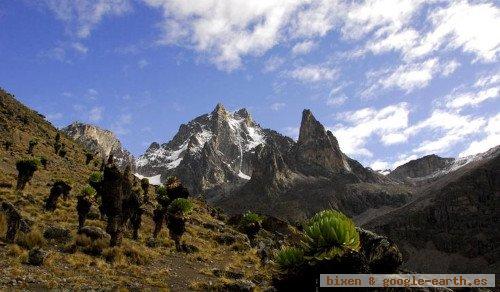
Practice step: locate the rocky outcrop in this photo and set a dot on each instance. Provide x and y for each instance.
(212, 154)
(100, 141)
(421, 167)
(318, 148)
(454, 220)
(298, 180)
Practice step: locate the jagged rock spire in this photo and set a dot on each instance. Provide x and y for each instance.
(317, 146)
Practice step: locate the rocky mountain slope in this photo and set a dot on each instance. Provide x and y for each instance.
(421, 167)
(213, 153)
(240, 166)
(223, 258)
(311, 175)
(100, 141)
(452, 224)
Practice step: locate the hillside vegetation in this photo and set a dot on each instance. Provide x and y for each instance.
(221, 256)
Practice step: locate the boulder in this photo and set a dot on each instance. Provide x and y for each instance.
(382, 254)
(57, 233)
(94, 232)
(36, 256)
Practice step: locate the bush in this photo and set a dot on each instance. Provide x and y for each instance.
(43, 161)
(57, 143)
(89, 156)
(180, 205)
(162, 196)
(30, 240)
(7, 145)
(330, 231)
(63, 151)
(289, 258)
(96, 177)
(31, 145)
(25, 168)
(88, 191)
(251, 218)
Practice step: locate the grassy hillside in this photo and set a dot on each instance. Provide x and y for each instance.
(223, 258)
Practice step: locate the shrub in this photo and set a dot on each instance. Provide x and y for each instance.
(57, 143)
(289, 258)
(88, 191)
(96, 177)
(7, 145)
(251, 218)
(31, 145)
(25, 168)
(43, 161)
(162, 196)
(63, 151)
(89, 156)
(180, 205)
(30, 240)
(329, 231)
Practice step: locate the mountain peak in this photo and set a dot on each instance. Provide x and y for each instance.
(318, 146)
(219, 108)
(99, 140)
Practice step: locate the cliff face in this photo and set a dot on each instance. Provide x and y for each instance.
(318, 148)
(309, 176)
(453, 221)
(100, 141)
(421, 167)
(212, 154)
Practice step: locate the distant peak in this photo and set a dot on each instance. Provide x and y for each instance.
(244, 114)
(219, 108)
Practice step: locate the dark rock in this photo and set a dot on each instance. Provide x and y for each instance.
(226, 239)
(36, 256)
(239, 285)
(382, 254)
(421, 167)
(57, 233)
(94, 232)
(152, 242)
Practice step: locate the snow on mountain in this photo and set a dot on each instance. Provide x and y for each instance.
(212, 147)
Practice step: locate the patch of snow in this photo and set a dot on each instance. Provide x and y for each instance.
(154, 180)
(175, 157)
(383, 171)
(243, 176)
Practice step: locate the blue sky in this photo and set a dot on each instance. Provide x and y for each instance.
(393, 80)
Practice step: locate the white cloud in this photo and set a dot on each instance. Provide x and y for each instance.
(292, 132)
(485, 88)
(303, 47)
(79, 47)
(336, 101)
(120, 125)
(313, 73)
(277, 106)
(491, 139)
(54, 116)
(450, 67)
(409, 76)
(81, 16)
(226, 30)
(449, 129)
(91, 93)
(364, 123)
(380, 165)
(95, 114)
(272, 64)
(464, 25)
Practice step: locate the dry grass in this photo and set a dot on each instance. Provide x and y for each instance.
(3, 224)
(32, 239)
